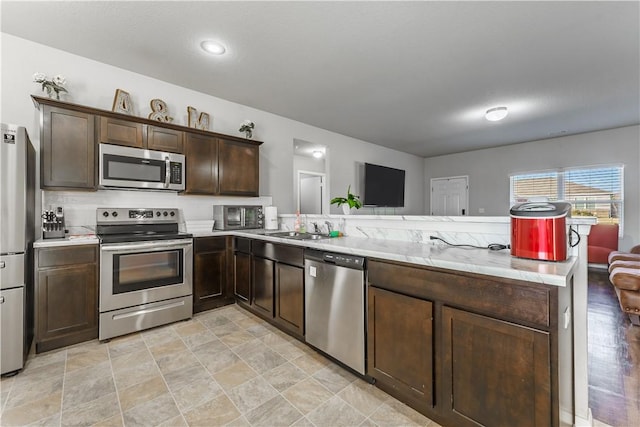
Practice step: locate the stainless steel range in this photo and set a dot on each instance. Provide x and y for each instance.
(145, 270)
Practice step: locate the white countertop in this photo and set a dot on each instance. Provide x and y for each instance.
(75, 236)
(67, 241)
(480, 261)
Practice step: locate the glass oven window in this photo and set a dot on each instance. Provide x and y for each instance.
(133, 169)
(146, 270)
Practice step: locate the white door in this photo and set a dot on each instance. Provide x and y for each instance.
(450, 196)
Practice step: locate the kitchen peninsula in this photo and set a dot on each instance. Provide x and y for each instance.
(458, 334)
(445, 307)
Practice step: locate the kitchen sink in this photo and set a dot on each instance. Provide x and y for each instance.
(299, 236)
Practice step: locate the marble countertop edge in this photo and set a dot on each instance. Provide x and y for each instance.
(479, 261)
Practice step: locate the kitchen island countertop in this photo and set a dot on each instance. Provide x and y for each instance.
(480, 261)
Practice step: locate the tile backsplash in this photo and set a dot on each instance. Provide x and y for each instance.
(80, 207)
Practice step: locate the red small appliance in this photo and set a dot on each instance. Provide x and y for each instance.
(538, 230)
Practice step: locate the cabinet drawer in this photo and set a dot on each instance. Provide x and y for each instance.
(210, 244)
(242, 245)
(54, 257)
(504, 298)
(283, 253)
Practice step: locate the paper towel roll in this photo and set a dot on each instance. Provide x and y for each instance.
(271, 218)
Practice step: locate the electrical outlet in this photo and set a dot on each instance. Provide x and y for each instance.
(480, 210)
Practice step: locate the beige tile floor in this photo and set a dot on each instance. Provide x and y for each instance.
(223, 367)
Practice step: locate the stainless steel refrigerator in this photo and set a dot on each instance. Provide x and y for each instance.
(17, 223)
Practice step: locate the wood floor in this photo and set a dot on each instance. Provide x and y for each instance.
(614, 357)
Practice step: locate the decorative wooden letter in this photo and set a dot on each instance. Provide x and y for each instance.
(159, 111)
(196, 122)
(122, 102)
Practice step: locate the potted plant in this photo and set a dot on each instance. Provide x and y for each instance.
(351, 201)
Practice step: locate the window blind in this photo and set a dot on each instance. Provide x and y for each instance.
(594, 191)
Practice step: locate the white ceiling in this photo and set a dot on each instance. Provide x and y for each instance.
(414, 76)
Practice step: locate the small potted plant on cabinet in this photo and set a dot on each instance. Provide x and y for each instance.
(351, 201)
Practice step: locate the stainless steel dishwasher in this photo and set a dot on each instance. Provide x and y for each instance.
(334, 306)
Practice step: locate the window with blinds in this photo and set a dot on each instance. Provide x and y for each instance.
(595, 191)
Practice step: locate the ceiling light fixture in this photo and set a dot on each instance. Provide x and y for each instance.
(317, 154)
(212, 47)
(496, 113)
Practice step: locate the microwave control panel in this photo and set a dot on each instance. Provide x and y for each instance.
(175, 170)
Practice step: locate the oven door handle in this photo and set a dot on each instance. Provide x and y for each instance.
(136, 246)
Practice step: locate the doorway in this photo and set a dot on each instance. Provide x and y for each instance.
(450, 196)
(310, 177)
(311, 192)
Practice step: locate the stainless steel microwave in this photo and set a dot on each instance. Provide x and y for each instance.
(127, 167)
(228, 217)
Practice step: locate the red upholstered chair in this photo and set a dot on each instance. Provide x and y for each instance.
(603, 239)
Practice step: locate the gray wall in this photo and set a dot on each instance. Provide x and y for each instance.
(489, 169)
(93, 84)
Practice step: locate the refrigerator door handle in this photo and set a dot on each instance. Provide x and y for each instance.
(1, 264)
(1, 300)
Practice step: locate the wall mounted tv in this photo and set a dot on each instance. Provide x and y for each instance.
(383, 186)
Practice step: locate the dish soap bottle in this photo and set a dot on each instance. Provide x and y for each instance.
(303, 224)
(296, 225)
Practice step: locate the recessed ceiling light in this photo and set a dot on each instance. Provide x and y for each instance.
(317, 154)
(496, 113)
(212, 47)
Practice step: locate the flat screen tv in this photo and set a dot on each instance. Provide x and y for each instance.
(383, 186)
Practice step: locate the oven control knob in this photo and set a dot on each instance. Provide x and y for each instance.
(105, 214)
(172, 213)
(114, 213)
(165, 213)
(158, 213)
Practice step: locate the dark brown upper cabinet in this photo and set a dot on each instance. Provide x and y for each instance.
(121, 132)
(217, 164)
(238, 168)
(162, 139)
(139, 135)
(67, 149)
(201, 155)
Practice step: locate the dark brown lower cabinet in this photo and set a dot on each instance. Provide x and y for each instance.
(242, 270)
(66, 296)
(496, 372)
(400, 345)
(289, 298)
(277, 283)
(212, 273)
(263, 286)
(468, 349)
(242, 276)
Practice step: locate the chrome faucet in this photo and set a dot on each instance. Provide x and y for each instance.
(316, 229)
(329, 226)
